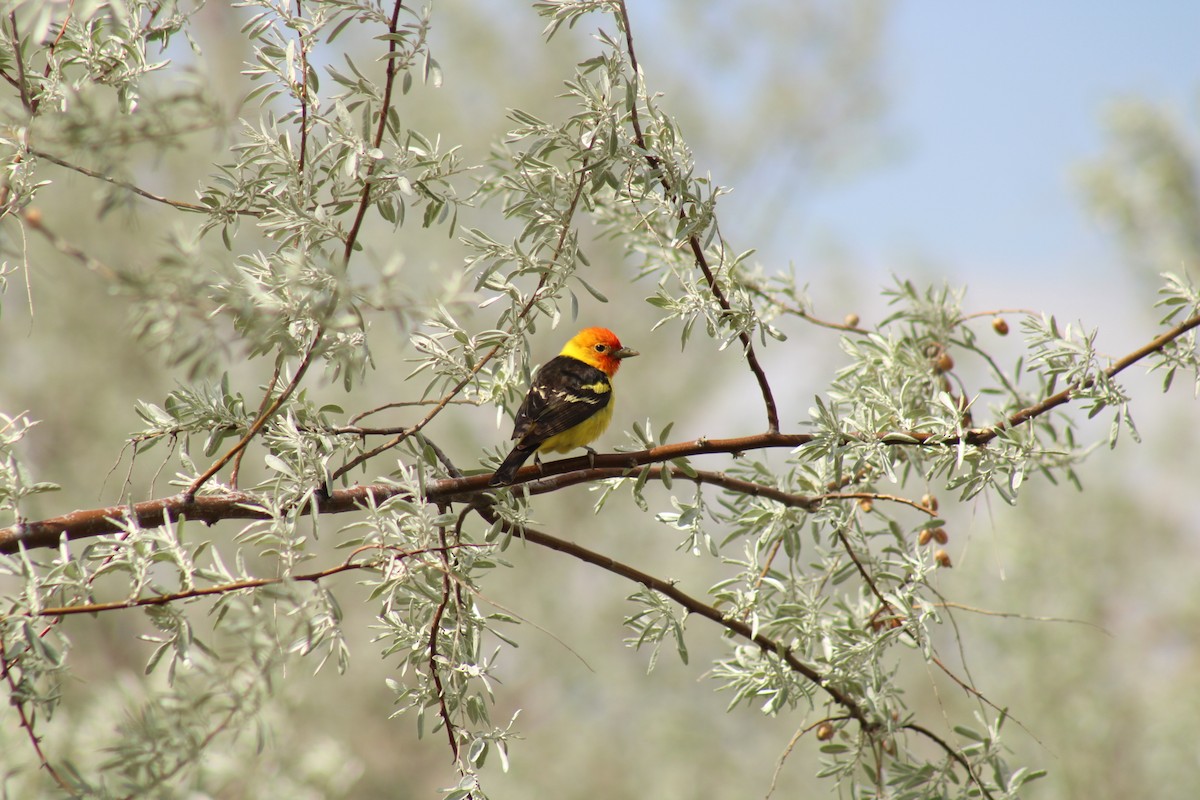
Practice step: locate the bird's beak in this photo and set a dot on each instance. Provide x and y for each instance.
(624, 352)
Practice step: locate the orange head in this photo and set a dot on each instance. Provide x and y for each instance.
(599, 347)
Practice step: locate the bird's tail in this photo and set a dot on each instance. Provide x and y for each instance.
(512, 462)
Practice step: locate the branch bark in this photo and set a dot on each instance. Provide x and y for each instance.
(694, 243)
(241, 505)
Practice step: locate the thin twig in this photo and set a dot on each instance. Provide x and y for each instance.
(951, 752)
(804, 315)
(262, 417)
(353, 427)
(303, 91)
(787, 751)
(694, 242)
(14, 694)
(364, 200)
(33, 218)
(21, 82)
(689, 603)
(179, 204)
(237, 586)
(888, 498)
(1014, 615)
(262, 407)
(435, 627)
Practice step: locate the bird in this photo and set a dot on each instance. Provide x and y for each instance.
(570, 402)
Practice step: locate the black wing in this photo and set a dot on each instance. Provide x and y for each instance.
(565, 392)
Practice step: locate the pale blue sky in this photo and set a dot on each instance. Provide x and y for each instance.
(995, 105)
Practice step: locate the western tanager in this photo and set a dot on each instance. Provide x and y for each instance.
(570, 402)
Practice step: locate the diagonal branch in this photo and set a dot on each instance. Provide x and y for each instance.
(240, 585)
(1055, 400)
(21, 83)
(242, 505)
(179, 204)
(384, 111)
(694, 243)
(691, 605)
(263, 417)
(7, 666)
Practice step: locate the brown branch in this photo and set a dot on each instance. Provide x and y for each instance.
(787, 751)
(238, 505)
(206, 591)
(888, 498)
(691, 605)
(62, 30)
(21, 82)
(33, 218)
(13, 82)
(435, 627)
(1055, 400)
(263, 417)
(262, 408)
(797, 311)
(303, 92)
(862, 570)
(183, 762)
(1015, 615)
(231, 505)
(380, 128)
(14, 694)
(237, 586)
(951, 752)
(179, 204)
(561, 481)
(210, 509)
(694, 243)
(353, 427)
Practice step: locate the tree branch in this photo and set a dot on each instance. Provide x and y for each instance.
(179, 204)
(239, 585)
(263, 416)
(242, 505)
(1055, 400)
(951, 752)
(694, 243)
(691, 605)
(384, 110)
(435, 627)
(21, 84)
(304, 90)
(7, 665)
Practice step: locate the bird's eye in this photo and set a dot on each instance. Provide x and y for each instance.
(600, 348)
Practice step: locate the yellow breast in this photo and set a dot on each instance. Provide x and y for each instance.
(582, 434)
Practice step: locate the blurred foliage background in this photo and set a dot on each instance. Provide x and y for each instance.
(788, 102)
